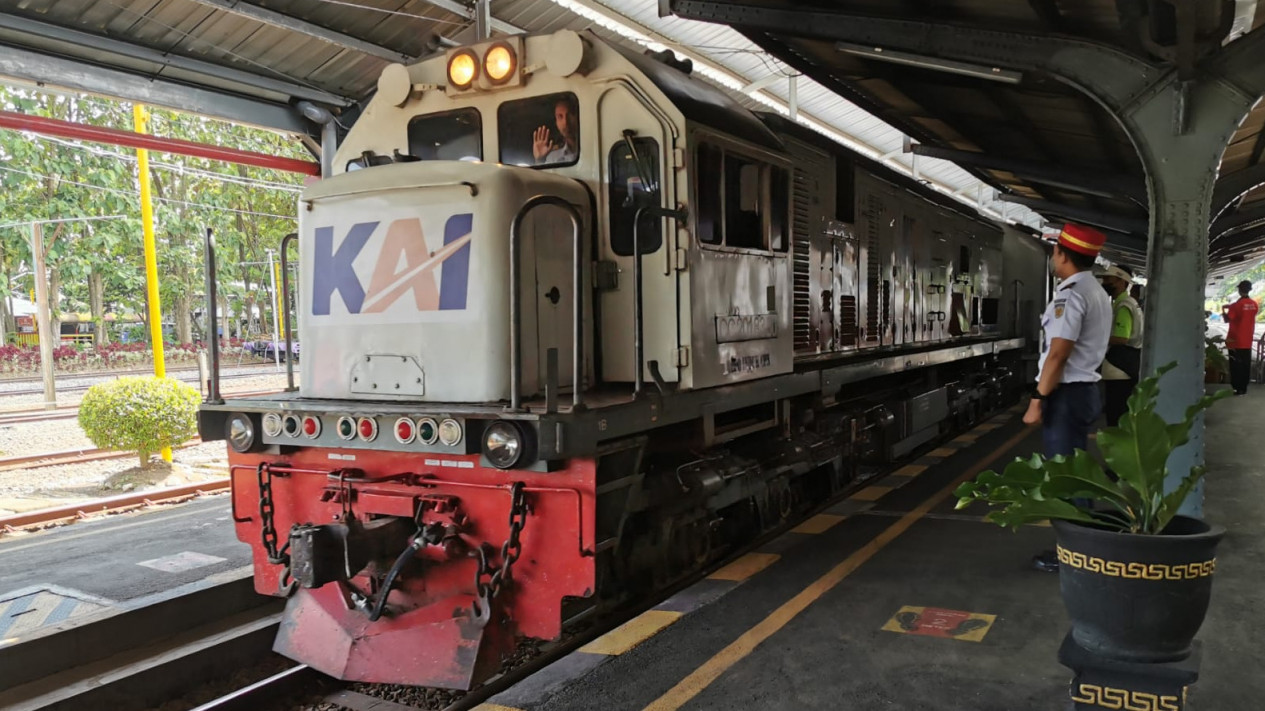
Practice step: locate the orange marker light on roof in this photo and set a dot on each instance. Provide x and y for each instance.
(462, 69)
(500, 63)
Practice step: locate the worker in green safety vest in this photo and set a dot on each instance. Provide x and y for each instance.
(1123, 363)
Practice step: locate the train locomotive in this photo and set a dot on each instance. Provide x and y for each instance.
(575, 325)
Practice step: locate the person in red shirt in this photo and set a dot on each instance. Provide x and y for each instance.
(1241, 315)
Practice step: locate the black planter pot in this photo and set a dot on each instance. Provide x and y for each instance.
(1133, 597)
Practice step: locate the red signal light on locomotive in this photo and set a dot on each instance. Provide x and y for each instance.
(368, 429)
(312, 427)
(405, 431)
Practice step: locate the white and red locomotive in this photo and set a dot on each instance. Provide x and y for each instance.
(574, 323)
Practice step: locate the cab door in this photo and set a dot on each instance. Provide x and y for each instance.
(635, 172)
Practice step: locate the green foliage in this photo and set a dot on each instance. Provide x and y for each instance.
(1137, 451)
(141, 414)
(1215, 358)
(43, 178)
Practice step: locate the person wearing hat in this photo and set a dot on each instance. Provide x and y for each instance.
(1123, 364)
(1241, 316)
(1075, 329)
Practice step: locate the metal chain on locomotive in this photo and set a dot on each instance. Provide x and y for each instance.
(510, 552)
(268, 531)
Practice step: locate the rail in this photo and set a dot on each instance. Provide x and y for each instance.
(285, 309)
(516, 301)
(213, 332)
(638, 344)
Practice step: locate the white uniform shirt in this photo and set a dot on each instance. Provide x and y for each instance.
(1079, 312)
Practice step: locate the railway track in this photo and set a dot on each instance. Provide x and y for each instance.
(67, 412)
(110, 505)
(86, 386)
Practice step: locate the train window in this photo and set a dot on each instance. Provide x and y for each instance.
(451, 135)
(708, 167)
(779, 206)
(630, 167)
(964, 260)
(744, 226)
(540, 132)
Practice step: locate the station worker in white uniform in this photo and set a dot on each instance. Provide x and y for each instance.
(1076, 329)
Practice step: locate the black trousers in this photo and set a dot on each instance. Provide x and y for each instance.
(1116, 399)
(1240, 368)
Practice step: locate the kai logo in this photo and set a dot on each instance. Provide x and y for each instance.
(404, 264)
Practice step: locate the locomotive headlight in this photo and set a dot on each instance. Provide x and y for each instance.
(503, 444)
(450, 432)
(499, 63)
(462, 69)
(240, 432)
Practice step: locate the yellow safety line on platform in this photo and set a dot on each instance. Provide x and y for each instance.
(494, 707)
(871, 493)
(701, 678)
(943, 452)
(817, 524)
(967, 438)
(745, 567)
(631, 633)
(910, 470)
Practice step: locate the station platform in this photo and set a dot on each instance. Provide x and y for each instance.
(114, 563)
(894, 600)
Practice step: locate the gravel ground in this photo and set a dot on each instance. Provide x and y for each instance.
(108, 477)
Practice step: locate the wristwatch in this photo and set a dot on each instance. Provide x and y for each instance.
(1036, 394)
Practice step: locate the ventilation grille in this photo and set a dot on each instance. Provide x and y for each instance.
(801, 282)
(847, 321)
(874, 215)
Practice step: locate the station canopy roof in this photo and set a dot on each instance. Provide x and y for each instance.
(1049, 151)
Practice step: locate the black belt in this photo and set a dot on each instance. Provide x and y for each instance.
(1078, 383)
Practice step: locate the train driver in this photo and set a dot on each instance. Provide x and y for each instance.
(1076, 329)
(567, 121)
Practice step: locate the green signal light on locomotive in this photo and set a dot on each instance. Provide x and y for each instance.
(346, 429)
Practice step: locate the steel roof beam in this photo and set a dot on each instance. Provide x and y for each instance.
(1237, 221)
(1079, 181)
(294, 24)
(1120, 223)
(282, 87)
(45, 69)
(463, 10)
(1232, 186)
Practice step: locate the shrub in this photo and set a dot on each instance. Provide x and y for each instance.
(141, 414)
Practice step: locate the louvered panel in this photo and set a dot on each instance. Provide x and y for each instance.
(875, 213)
(847, 321)
(801, 261)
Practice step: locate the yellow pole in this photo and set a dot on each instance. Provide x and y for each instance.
(140, 118)
(276, 298)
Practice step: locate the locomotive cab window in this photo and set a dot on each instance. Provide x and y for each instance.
(634, 171)
(741, 202)
(540, 132)
(707, 168)
(744, 224)
(452, 135)
(779, 209)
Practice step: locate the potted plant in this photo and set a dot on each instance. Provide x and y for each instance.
(1216, 365)
(1134, 575)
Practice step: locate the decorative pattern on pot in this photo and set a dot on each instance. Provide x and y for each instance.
(1136, 571)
